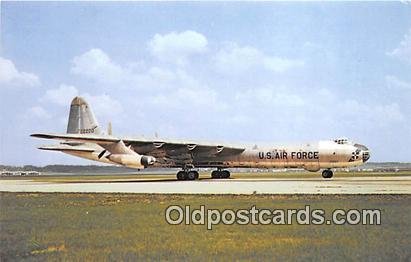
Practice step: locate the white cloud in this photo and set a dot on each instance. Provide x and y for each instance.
(235, 59)
(324, 94)
(104, 105)
(390, 112)
(351, 110)
(197, 96)
(280, 65)
(279, 105)
(38, 112)
(161, 74)
(189, 98)
(186, 91)
(10, 76)
(154, 86)
(61, 96)
(177, 96)
(97, 65)
(177, 47)
(403, 51)
(269, 96)
(394, 83)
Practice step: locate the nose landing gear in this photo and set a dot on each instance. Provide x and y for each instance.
(327, 173)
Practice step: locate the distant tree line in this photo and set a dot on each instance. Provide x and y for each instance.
(69, 168)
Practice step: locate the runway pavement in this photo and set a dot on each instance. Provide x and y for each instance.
(342, 185)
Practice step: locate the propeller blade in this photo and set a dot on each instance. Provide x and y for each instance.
(102, 154)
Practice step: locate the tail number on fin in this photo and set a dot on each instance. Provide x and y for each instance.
(87, 130)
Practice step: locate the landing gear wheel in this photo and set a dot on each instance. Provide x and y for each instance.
(189, 175)
(220, 174)
(215, 174)
(327, 174)
(181, 175)
(225, 174)
(192, 175)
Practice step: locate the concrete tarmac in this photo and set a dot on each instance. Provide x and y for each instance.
(337, 185)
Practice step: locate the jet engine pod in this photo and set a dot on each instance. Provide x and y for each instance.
(128, 160)
(132, 160)
(147, 160)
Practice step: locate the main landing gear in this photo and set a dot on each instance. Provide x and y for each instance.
(187, 175)
(220, 174)
(327, 173)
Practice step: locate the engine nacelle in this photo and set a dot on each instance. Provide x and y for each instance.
(147, 160)
(132, 160)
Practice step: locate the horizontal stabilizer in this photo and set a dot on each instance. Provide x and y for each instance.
(79, 138)
(66, 148)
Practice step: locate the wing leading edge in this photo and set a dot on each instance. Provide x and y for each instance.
(157, 148)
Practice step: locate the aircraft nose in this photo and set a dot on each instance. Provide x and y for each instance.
(365, 155)
(365, 152)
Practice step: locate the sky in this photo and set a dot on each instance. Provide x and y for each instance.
(237, 72)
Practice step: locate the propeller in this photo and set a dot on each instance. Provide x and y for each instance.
(102, 154)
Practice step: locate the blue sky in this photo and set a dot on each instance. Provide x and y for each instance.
(236, 72)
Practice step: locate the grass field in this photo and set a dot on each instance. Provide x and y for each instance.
(99, 227)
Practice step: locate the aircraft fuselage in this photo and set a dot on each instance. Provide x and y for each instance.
(310, 156)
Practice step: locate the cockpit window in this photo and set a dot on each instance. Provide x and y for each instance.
(341, 141)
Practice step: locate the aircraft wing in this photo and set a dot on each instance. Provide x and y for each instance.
(82, 138)
(173, 149)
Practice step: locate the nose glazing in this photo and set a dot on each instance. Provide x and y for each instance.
(365, 152)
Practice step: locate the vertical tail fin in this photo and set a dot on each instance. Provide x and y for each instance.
(81, 118)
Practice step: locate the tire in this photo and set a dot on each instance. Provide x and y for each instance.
(192, 175)
(225, 174)
(181, 175)
(327, 174)
(215, 174)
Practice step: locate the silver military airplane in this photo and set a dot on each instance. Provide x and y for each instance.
(85, 139)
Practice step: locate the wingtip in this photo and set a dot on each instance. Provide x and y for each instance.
(39, 135)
